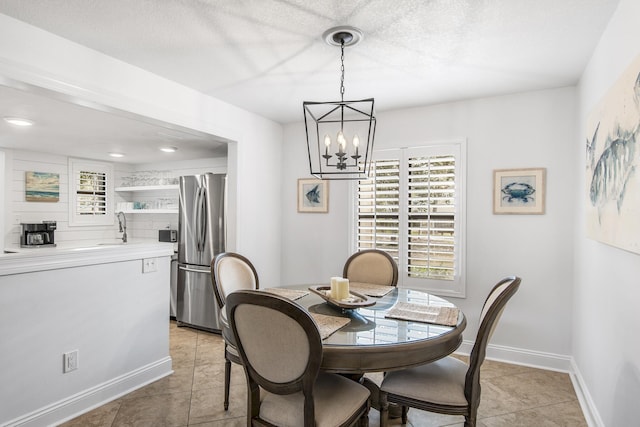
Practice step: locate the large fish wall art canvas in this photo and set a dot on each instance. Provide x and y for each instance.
(613, 175)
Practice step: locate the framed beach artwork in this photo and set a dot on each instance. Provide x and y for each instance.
(612, 194)
(519, 191)
(42, 187)
(313, 195)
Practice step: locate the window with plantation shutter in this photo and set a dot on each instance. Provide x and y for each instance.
(412, 207)
(90, 193)
(378, 208)
(91, 196)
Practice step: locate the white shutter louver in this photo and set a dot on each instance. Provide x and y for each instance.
(431, 217)
(90, 193)
(91, 198)
(378, 208)
(412, 207)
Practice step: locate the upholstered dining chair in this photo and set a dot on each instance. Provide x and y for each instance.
(230, 272)
(448, 386)
(371, 266)
(281, 351)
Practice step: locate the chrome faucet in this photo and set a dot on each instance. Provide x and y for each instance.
(122, 225)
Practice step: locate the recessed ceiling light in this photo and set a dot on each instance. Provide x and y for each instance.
(116, 154)
(18, 121)
(169, 149)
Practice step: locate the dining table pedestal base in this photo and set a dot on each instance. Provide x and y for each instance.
(395, 410)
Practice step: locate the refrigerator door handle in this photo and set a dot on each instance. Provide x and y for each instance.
(198, 225)
(203, 219)
(193, 270)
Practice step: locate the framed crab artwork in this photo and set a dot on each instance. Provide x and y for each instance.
(519, 191)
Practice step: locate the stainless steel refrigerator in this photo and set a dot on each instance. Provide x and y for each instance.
(201, 236)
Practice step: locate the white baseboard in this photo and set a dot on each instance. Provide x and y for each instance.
(518, 356)
(589, 409)
(549, 361)
(94, 397)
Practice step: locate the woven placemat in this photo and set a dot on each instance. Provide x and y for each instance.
(370, 290)
(447, 316)
(327, 325)
(292, 294)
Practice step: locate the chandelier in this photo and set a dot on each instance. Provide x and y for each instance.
(340, 134)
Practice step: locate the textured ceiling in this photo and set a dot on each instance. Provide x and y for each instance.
(268, 56)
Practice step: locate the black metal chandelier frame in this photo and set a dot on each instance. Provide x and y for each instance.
(320, 114)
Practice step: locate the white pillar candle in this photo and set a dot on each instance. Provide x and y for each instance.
(343, 289)
(334, 287)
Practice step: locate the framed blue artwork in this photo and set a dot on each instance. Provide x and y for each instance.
(519, 191)
(313, 196)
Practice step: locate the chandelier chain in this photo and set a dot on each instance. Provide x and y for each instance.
(342, 70)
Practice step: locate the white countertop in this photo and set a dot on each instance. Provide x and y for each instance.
(16, 260)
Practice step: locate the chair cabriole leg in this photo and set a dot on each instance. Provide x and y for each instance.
(227, 380)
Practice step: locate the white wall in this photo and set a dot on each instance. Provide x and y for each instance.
(18, 210)
(606, 347)
(111, 312)
(534, 129)
(33, 56)
(2, 198)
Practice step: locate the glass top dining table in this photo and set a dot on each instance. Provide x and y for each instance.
(371, 342)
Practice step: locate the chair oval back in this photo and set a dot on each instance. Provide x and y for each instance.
(489, 317)
(232, 272)
(371, 266)
(277, 339)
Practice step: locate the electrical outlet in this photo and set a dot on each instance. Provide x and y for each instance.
(70, 361)
(149, 265)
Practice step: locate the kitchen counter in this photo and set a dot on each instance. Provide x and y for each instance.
(106, 301)
(16, 260)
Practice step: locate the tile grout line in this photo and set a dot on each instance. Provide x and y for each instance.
(193, 376)
(527, 409)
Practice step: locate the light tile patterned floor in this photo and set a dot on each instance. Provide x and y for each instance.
(512, 396)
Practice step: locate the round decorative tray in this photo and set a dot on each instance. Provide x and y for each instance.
(355, 300)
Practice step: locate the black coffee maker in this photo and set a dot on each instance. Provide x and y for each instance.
(37, 235)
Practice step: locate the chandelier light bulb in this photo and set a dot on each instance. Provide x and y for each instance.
(342, 143)
(356, 143)
(327, 144)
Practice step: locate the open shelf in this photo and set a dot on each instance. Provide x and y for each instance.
(148, 188)
(151, 211)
